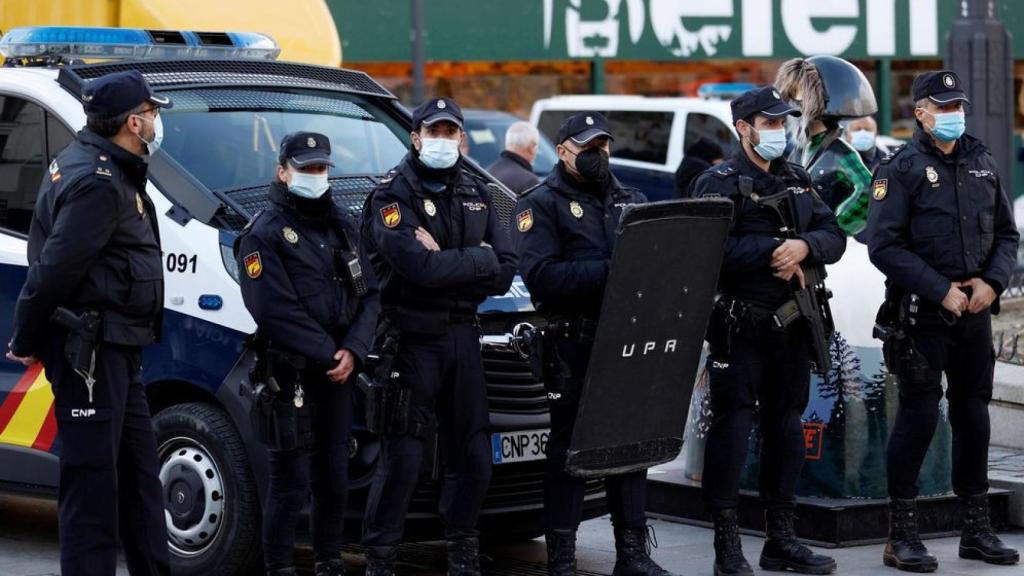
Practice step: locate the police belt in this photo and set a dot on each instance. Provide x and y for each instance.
(740, 314)
(574, 328)
(421, 321)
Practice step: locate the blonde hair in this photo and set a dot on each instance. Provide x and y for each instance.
(798, 79)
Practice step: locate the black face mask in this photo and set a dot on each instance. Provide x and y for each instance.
(592, 164)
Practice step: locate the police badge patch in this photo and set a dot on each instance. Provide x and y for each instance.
(931, 174)
(576, 209)
(524, 221)
(139, 205)
(391, 215)
(880, 189)
(253, 265)
(428, 207)
(290, 235)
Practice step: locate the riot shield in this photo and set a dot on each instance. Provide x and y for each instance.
(657, 302)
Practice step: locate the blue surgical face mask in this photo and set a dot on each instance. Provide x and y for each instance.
(310, 186)
(949, 126)
(862, 140)
(439, 153)
(772, 145)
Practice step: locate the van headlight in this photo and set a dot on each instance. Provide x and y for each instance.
(227, 255)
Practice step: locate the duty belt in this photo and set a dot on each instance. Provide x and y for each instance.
(741, 313)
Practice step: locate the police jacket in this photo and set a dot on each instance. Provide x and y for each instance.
(293, 268)
(936, 218)
(755, 230)
(93, 244)
(564, 233)
(514, 171)
(424, 290)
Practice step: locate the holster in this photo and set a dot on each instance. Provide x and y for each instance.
(898, 352)
(277, 422)
(83, 337)
(546, 362)
(388, 404)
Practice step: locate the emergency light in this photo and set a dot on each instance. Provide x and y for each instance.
(70, 42)
(723, 90)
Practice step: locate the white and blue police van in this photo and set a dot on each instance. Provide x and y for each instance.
(233, 103)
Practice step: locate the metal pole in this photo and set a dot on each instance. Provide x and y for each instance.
(418, 52)
(884, 96)
(597, 76)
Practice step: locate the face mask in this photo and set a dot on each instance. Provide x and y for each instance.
(310, 186)
(439, 153)
(773, 144)
(948, 126)
(158, 134)
(862, 140)
(592, 164)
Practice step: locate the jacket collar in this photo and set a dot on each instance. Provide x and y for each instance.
(314, 209)
(422, 179)
(135, 166)
(965, 145)
(517, 159)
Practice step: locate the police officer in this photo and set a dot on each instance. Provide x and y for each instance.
(439, 251)
(941, 229)
(751, 361)
(565, 233)
(92, 300)
(309, 285)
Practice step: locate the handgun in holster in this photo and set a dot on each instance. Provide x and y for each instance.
(82, 342)
(388, 403)
(277, 422)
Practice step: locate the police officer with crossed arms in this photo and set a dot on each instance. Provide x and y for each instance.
(941, 229)
(92, 300)
(309, 286)
(439, 250)
(565, 230)
(752, 361)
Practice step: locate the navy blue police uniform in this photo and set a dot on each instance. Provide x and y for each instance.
(938, 219)
(565, 233)
(296, 282)
(429, 301)
(94, 248)
(750, 361)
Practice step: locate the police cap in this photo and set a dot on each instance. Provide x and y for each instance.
(436, 110)
(941, 87)
(301, 149)
(119, 92)
(584, 127)
(765, 101)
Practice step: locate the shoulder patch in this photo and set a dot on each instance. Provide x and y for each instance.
(253, 265)
(879, 189)
(723, 171)
(893, 153)
(388, 177)
(391, 215)
(524, 220)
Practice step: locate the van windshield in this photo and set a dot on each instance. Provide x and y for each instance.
(228, 138)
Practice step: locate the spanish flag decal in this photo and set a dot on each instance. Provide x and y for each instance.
(880, 189)
(391, 215)
(253, 265)
(524, 221)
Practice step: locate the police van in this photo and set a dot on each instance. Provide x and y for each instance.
(650, 133)
(233, 103)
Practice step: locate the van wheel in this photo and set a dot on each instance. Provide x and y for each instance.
(210, 498)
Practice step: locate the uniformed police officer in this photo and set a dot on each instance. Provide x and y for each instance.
(312, 292)
(92, 300)
(565, 233)
(752, 362)
(941, 229)
(439, 251)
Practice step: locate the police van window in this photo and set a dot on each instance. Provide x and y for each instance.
(58, 136)
(228, 139)
(22, 161)
(706, 126)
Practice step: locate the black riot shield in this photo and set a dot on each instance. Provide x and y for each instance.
(657, 302)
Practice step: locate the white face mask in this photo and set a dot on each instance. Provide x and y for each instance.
(158, 134)
(439, 153)
(310, 186)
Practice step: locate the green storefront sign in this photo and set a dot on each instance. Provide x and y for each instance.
(492, 30)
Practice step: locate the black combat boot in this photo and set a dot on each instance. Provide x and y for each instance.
(905, 550)
(464, 557)
(729, 560)
(782, 551)
(335, 567)
(561, 552)
(380, 560)
(977, 540)
(633, 553)
(282, 572)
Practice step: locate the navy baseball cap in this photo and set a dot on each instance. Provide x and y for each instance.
(941, 87)
(119, 92)
(765, 101)
(436, 110)
(584, 127)
(301, 149)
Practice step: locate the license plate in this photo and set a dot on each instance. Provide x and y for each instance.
(519, 446)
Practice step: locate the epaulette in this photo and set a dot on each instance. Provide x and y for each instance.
(104, 166)
(530, 189)
(723, 171)
(893, 153)
(249, 224)
(388, 177)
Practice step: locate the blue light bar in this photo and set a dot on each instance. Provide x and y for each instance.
(134, 43)
(724, 90)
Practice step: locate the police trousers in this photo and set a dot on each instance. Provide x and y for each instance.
(446, 375)
(110, 495)
(322, 467)
(563, 492)
(964, 353)
(770, 370)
